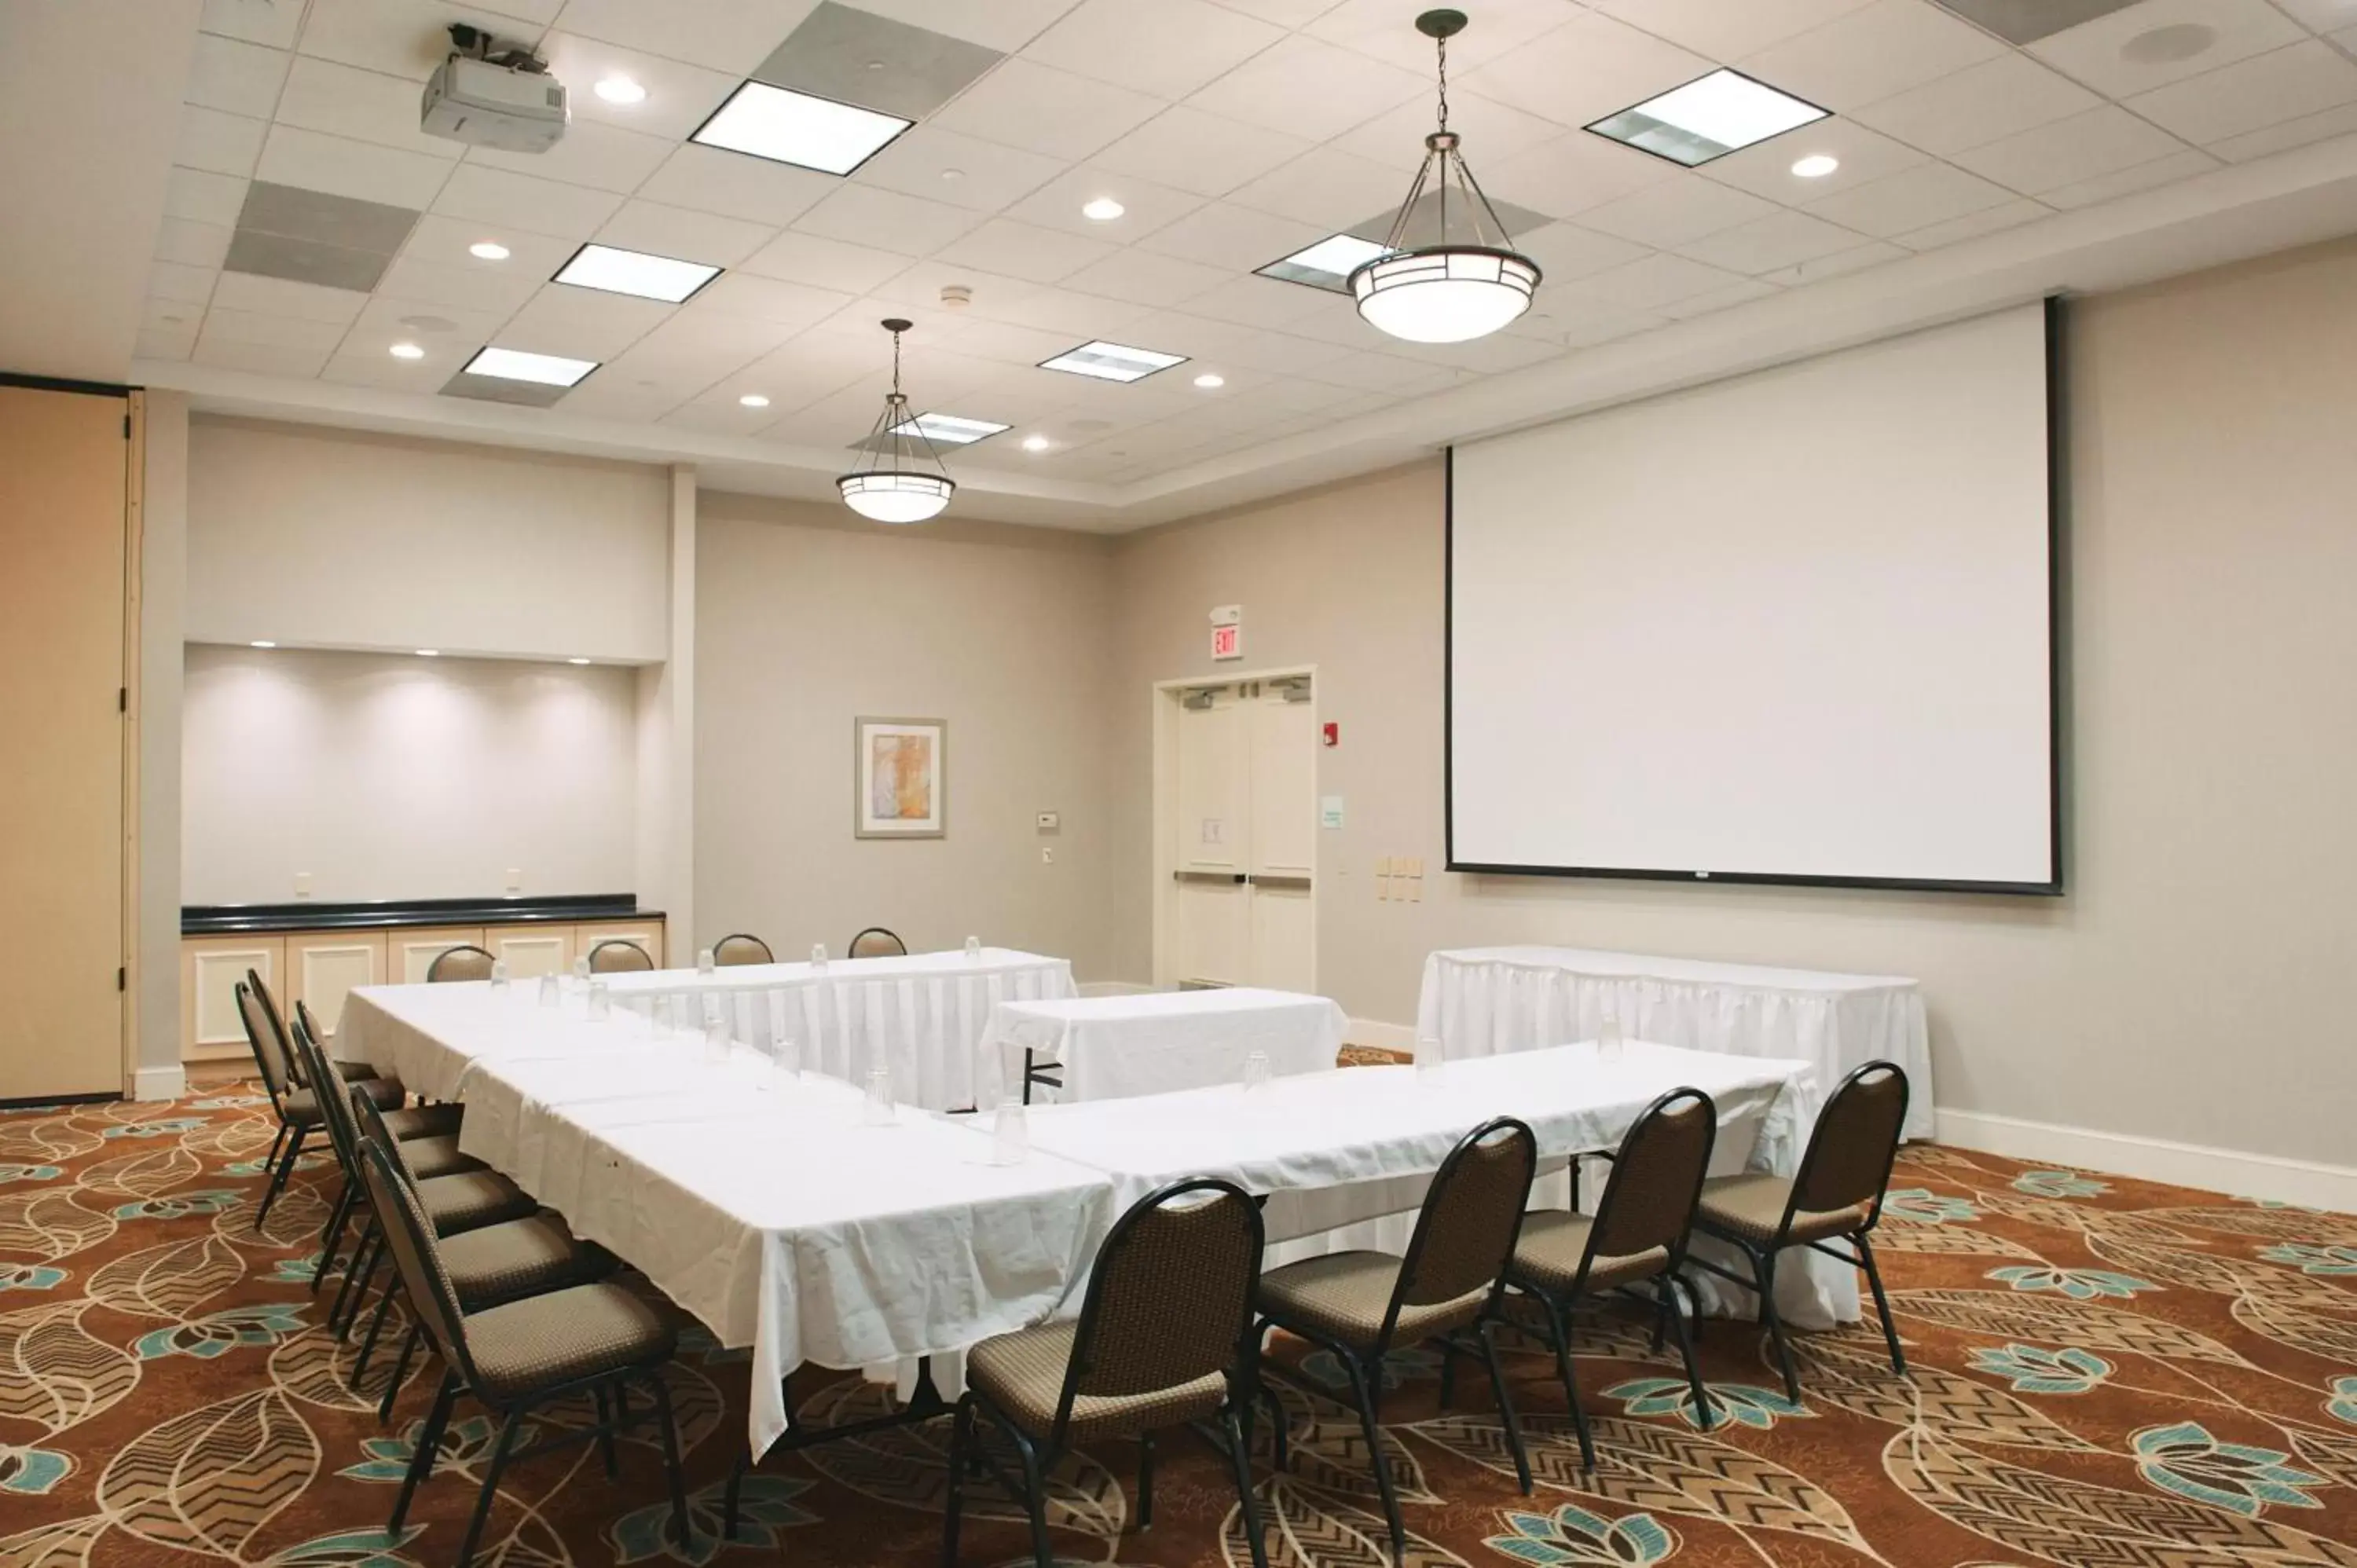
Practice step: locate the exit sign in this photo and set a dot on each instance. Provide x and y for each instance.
(1227, 642)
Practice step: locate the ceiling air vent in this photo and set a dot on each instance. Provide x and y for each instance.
(2026, 21)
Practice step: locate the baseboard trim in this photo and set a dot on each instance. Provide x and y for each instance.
(2268, 1176)
(160, 1082)
(1384, 1036)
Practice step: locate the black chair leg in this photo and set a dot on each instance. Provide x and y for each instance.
(368, 1340)
(671, 1458)
(953, 1502)
(343, 1198)
(1486, 1329)
(400, 1370)
(1240, 1453)
(1360, 1378)
(1035, 1497)
(278, 1174)
(1279, 1448)
(1763, 1269)
(1559, 1335)
(500, 1452)
(1145, 1480)
(363, 1275)
(1881, 1305)
(334, 1237)
(605, 1432)
(1668, 1285)
(278, 1139)
(421, 1463)
(351, 1273)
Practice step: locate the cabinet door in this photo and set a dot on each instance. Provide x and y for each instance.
(529, 951)
(647, 934)
(322, 966)
(211, 968)
(409, 951)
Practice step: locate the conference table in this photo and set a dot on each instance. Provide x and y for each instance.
(790, 1213)
(1109, 1047)
(1481, 1001)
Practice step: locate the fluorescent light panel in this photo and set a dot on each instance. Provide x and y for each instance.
(1709, 118)
(795, 128)
(515, 365)
(635, 273)
(948, 429)
(1327, 264)
(1112, 361)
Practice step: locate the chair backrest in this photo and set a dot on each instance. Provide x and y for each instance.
(262, 1033)
(1170, 1295)
(878, 942)
(619, 955)
(741, 947)
(334, 1109)
(1657, 1176)
(368, 1129)
(1472, 1215)
(466, 962)
(409, 1236)
(1852, 1147)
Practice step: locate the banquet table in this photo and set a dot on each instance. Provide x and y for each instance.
(1484, 1001)
(1155, 1042)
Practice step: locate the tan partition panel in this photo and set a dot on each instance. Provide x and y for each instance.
(530, 951)
(648, 934)
(211, 968)
(322, 966)
(409, 951)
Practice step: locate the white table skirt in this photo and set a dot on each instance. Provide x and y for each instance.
(1483, 1001)
(1157, 1042)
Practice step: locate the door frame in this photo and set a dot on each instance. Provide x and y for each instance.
(1166, 696)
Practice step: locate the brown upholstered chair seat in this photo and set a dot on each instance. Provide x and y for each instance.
(1023, 1373)
(545, 1341)
(1752, 1206)
(353, 1072)
(1345, 1294)
(303, 1106)
(430, 1157)
(522, 1257)
(471, 1199)
(422, 1122)
(1552, 1242)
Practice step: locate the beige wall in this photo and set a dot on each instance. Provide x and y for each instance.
(2192, 985)
(163, 587)
(807, 620)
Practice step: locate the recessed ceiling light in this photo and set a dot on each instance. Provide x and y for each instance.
(1103, 210)
(796, 128)
(947, 429)
(407, 352)
(429, 653)
(621, 89)
(754, 400)
(1326, 264)
(635, 273)
(1035, 444)
(1816, 165)
(261, 644)
(487, 250)
(515, 365)
(576, 660)
(1112, 361)
(1707, 118)
(1209, 380)
(951, 176)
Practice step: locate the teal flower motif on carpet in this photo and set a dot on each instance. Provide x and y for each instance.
(229, 1103)
(31, 1276)
(765, 1505)
(2034, 1371)
(2313, 1260)
(296, 1271)
(1400, 1367)
(218, 1333)
(1921, 1206)
(1573, 1535)
(463, 1444)
(2342, 1405)
(9, 1174)
(1742, 1403)
(179, 1206)
(30, 1472)
(168, 1126)
(350, 1549)
(2079, 1284)
(2060, 1184)
(2187, 1460)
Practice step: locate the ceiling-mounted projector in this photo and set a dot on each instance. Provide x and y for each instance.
(506, 101)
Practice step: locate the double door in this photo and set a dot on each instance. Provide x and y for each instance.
(1244, 845)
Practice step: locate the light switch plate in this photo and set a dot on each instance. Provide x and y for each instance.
(515, 879)
(302, 885)
(1051, 821)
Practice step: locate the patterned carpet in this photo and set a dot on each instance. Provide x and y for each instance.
(2108, 1372)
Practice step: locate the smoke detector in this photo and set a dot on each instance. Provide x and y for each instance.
(956, 296)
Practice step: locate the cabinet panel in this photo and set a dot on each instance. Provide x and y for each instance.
(648, 935)
(409, 951)
(322, 966)
(529, 951)
(211, 968)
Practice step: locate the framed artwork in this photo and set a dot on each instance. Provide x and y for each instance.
(900, 777)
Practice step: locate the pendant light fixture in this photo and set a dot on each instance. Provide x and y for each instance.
(1456, 287)
(905, 480)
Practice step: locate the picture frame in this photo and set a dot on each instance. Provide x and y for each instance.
(900, 777)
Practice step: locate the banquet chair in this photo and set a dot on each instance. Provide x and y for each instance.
(520, 1356)
(405, 1123)
(741, 947)
(1835, 1196)
(296, 1105)
(1362, 1304)
(619, 955)
(1164, 1338)
(1637, 1236)
(878, 942)
(466, 961)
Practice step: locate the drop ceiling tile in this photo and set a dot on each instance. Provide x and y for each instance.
(1251, 301)
(706, 342)
(270, 23)
(217, 142)
(1200, 338)
(853, 56)
(602, 156)
(2322, 16)
(1312, 90)
(1872, 254)
(989, 295)
(363, 105)
(826, 264)
(201, 198)
(1720, 299)
(1492, 131)
(735, 184)
(1780, 240)
(192, 244)
(2178, 166)
(1144, 278)
(481, 194)
(173, 344)
(941, 166)
(1080, 315)
(680, 232)
(1871, 53)
(1326, 187)
(886, 219)
(1189, 150)
(1973, 225)
(2251, 95)
(1591, 67)
(620, 403)
(1725, 32)
(342, 166)
(259, 251)
(369, 365)
(1022, 103)
(1024, 250)
(260, 359)
(1001, 25)
(2106, 53)
(1145, 205)
(171, 280)
(234, 77)
(1766, 169)
(1978, 104)
(1670, 214)
(468, 285)
(733, 36)
(718, 414)
(1565, 250)
(448, 333)
(1912, 198)
(407, 39)
(1649, 284)
(1165, 48)
(1385, 30)
(680, 97)
(2100, 141)
(159, 315)
(1493, 355)
(1575, 172)
(793, 304)
(1610, 328)
(2291, 134)
(294, 301)
(581, 323)
(445, 242)
(1225, 235)
(1009, 344)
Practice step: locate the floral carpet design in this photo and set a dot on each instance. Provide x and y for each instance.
(2105, 1372)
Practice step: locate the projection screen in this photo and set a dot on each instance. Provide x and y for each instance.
(1796, 626)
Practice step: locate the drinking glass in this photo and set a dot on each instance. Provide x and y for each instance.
(550, 993)
(818, 958)
(601, 999)
(1428, 1053)
(499, 974)
(1258, 1073)
(1010, 1134)
(974, 947)
(1608, 1038)
(703, 964)
(581, 971)
(879, 1112)
(715, 1040)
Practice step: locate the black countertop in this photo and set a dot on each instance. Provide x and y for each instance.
(224, 919)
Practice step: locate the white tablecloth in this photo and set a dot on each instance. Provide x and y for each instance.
(1155, 1042)
(1482, 1001)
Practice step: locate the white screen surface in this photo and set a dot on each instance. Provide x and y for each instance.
(1791, 627)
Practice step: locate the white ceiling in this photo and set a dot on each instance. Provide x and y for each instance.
(1235, 132)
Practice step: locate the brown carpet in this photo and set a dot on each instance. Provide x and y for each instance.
(2107, 1372)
